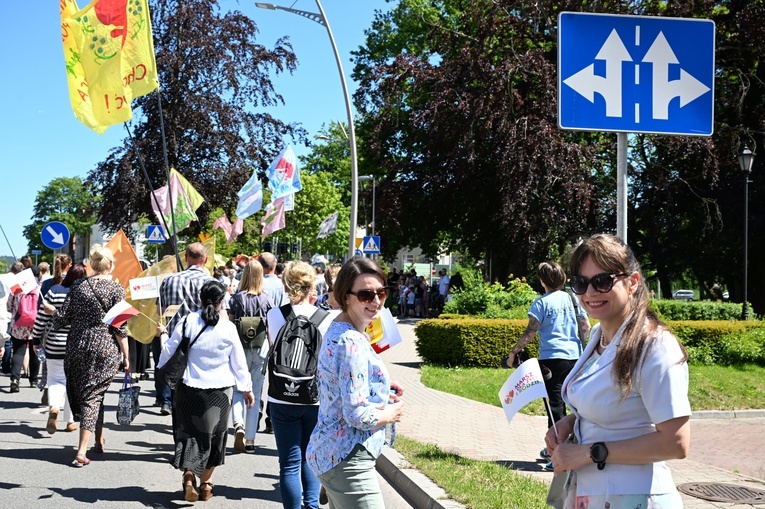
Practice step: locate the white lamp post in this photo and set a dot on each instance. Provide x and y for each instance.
(367, 178)
(321, 19)
(745, 161)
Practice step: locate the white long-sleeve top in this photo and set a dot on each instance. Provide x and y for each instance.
(216, 360)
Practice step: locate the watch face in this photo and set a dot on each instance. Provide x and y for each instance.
(598, 452)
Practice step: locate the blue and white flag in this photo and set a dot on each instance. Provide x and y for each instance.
(283, 175)
(250, 198)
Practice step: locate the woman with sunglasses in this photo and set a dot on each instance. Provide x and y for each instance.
(292, 422)
(357, 398)
(563, 328)
(628, 392)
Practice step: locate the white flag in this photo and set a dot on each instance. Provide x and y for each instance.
(328, 226)
(524, 386)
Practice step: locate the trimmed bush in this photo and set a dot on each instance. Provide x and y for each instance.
(716, 342)
(470, 341)
(673, 310)
(464, 341)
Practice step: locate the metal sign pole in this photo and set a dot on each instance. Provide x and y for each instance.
(621, 186)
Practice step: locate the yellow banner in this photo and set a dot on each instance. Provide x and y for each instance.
(109, 55)
(141, 328)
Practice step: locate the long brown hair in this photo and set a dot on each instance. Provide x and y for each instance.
(62, 262)
(643, 327)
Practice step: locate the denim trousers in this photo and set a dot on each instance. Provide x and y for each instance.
(293, 425)
(240, 414)
(164, 394)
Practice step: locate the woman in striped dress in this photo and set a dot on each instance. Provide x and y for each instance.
(55, 348)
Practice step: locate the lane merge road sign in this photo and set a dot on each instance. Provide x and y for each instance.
(636, 74)
(55, 235)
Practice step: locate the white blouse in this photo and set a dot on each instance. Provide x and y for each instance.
(216, 360)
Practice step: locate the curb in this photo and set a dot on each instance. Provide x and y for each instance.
(728, 414)
(419, 490)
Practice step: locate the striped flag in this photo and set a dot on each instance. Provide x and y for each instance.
(274, 218)
(120, 313)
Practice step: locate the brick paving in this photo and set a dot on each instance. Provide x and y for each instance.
(722, 450)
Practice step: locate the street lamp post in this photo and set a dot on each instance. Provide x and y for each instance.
(745, 160)
(367, 178)
(321, 19)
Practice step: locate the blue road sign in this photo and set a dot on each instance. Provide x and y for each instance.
(55, 235)
(155, 234)
(358, 253)
(636, 74)
(371, 245)
(36, 251)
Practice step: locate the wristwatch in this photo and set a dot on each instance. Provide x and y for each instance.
(598, 454)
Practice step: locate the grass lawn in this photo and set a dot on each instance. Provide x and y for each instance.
(476, 484)
(711, 387)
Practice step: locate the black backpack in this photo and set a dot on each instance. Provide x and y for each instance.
(293, 358)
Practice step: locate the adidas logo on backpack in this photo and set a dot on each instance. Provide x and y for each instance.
(293, 358)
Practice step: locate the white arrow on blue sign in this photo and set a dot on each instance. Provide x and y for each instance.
(637, 74)
(55, 235)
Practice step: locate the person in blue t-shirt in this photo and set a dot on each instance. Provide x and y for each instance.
(559, 320)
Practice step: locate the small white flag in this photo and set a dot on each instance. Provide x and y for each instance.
(524, 386)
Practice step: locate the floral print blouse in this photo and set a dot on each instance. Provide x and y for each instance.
(353, 387)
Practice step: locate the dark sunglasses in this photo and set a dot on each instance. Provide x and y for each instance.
(366, 296)
(602, 283)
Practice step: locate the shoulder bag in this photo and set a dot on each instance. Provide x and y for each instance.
(172, 371)
(556, 495)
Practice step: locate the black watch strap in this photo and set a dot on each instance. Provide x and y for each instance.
(598, 454)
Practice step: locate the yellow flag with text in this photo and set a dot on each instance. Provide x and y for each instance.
(109, 55)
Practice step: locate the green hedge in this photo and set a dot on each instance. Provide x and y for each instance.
(459, 340)
(671, 310)
(469, 341)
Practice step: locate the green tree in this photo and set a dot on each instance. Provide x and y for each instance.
(215, 78)
(462, 124)
(65, 199)
(332, 157)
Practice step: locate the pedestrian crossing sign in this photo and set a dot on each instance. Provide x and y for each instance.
(155, 234)
(371, 245)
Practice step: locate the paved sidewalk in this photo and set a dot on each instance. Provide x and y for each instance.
(719, 447)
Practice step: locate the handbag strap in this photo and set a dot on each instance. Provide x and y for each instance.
(127, 381)
(98, 297)
(576, 318)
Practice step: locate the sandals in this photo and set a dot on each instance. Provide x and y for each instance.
(205, 490)
(189, 487)
(52, 422)
(80, 461)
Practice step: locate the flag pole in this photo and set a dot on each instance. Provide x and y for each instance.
(9, 244)
(156, 202)
(549, 413)
(167, 173)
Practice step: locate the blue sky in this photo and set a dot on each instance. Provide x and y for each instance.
(41, 139)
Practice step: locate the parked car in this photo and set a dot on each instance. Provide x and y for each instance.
(686, 295)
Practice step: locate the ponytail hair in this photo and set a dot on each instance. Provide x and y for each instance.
(62, 261)
(211, 295)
